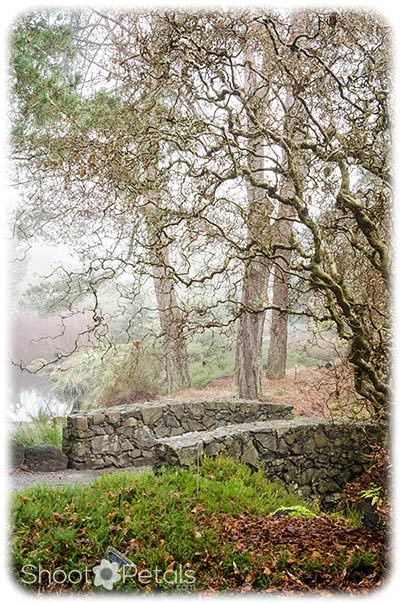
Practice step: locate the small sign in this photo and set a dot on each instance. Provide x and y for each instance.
(113, 555)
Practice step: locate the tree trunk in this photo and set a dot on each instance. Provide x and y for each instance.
(277, 350)
(295, 120)
(171, 317)
(172, 324)
(248, 369)
(172, 320)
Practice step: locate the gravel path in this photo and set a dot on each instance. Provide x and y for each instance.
(20, 479)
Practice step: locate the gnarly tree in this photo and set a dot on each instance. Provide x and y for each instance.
(338, 70)
(209, 135)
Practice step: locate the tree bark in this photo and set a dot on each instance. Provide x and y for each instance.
(248, 370)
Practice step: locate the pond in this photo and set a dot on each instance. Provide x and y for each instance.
(29, 395)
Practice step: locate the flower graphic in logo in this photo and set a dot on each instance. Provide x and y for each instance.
(106, 574)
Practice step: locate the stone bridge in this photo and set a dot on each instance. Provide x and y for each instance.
(316, 456)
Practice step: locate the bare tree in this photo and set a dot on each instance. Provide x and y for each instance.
(337, 67)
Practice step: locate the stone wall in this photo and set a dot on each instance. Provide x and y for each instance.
(126, 435)
(317, 457)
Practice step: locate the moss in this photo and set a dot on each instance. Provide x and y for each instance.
(295, 511)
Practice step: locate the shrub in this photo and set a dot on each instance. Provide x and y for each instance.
(122, 374)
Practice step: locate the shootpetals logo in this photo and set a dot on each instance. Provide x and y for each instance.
(106, 574)
(110, 573)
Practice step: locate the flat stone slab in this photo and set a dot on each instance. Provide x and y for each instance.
(276, 426)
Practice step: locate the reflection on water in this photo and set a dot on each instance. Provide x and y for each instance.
(30, 395)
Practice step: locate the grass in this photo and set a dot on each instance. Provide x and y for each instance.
(42, 430)
(163, 522)
(153, 519)
(209, 360)
(296, 511)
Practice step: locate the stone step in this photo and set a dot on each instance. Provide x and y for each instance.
(183, 450)
(316, 456)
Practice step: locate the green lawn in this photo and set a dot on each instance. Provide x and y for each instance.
(162, 522)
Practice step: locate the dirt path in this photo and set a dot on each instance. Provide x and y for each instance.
(21, 480)
(313, 391)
